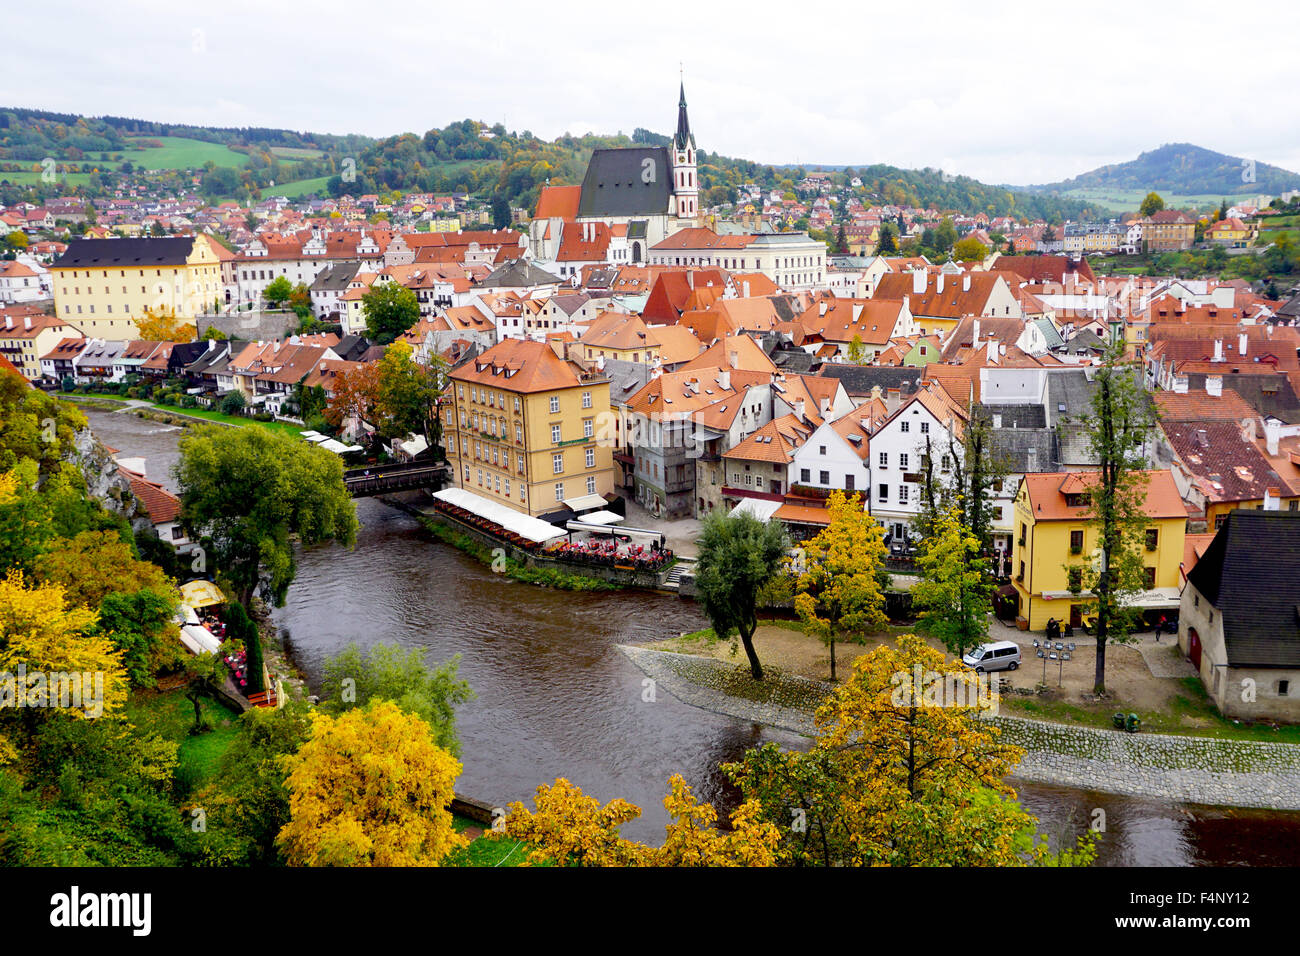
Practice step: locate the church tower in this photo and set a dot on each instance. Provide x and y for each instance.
(685, 186)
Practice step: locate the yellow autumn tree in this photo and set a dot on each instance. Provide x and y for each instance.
(369, 788)
(49, 637)
(571, 828)
(164, 325)
(839, 594)
(904, 772)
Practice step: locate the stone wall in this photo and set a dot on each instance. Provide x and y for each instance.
(253, 326)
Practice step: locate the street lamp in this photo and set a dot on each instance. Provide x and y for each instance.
(1058, 652)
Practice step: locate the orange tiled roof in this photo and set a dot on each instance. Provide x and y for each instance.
(1047, 493)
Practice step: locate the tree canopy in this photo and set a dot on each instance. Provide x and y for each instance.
(738, 555)
(247, 492)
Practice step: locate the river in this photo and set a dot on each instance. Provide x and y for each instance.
(555, 698)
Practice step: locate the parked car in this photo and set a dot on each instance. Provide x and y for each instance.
(995, 656)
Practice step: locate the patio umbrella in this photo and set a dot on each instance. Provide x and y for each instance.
(202, 594)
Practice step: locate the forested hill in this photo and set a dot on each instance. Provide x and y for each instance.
(27, 134)
(1186, 169)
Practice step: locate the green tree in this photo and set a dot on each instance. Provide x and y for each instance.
(353, 679)
(390, 309)
(247, 492)
(738, 556)
(1151, 204)
(1117, 431)
(214, 334)
(840, 592)
(16, 240)
(408, 394)
(954, 594)
(888, 243)
(277, 291)
(240, 627)
(233, 403)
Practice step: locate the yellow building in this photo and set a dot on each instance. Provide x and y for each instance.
(1053, 537)
(104, 285)
(523, 426)
(25, 337)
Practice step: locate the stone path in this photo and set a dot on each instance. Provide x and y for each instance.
(1202, 770)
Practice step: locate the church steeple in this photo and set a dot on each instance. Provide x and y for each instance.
(683, 137)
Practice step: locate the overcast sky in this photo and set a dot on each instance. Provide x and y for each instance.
(1005, 92)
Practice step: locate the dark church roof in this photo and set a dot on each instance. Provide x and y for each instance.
(616, 182)
(684, 137)
(1249, 573)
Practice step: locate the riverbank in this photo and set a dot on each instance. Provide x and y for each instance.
(1186, 769)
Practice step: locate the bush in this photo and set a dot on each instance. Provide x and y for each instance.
(233, 404)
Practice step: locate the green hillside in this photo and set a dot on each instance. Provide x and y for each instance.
(178, 152)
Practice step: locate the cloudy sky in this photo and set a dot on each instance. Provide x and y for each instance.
(1006, 92)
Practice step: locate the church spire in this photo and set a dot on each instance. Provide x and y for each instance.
(683, 137)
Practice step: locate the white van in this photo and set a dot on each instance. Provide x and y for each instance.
(997, 656)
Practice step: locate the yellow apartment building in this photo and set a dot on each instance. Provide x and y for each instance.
(104, 285)
(523, 428)
(24, 338)
(1053, 538)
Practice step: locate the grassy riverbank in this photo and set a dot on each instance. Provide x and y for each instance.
(171, 415)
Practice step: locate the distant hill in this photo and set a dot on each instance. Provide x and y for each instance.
(1184, 169)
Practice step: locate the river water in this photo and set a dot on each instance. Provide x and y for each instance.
(556, 698)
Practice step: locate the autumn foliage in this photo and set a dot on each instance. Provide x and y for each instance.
(370, 788)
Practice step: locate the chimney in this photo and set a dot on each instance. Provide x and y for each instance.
(27, 322)
(918, 283)
(799, 408)
(876, 392)
(1272, 434)
(892, 398)
(1031, 460)
(9, 321)
(857, 311)
(975, 334)
(745, 288)
(821, 308)
(938, 283)
(1218, 350)
(1242, 341)
(1214, 384)
(965, 282)
(993, 351)
(690, 279)
(826, 407)
(733, 359)
(1180, 384)
(1272, 499)
(724, 379)
(1248, 429)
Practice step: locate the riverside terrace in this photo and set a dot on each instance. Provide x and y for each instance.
(599, 543)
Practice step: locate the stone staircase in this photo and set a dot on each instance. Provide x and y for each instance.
(674, 579)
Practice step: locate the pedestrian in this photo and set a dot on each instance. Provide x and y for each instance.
(1160, 626)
